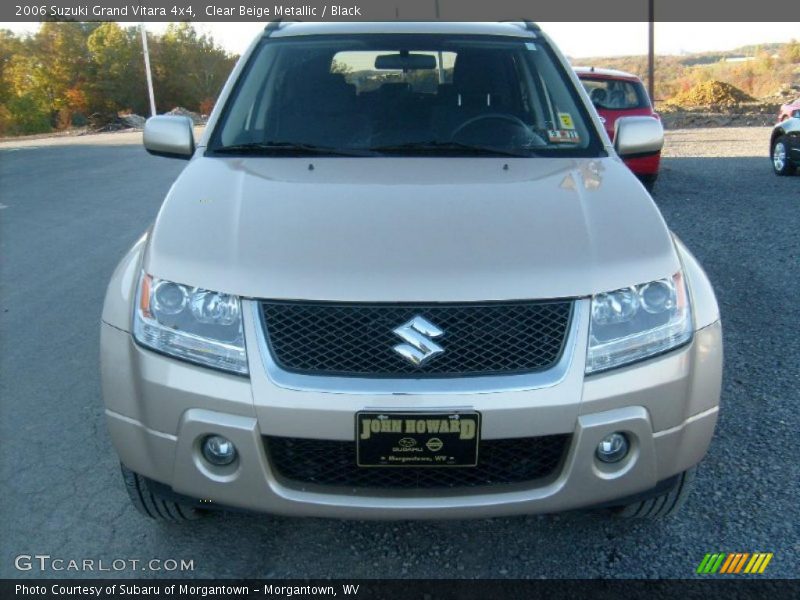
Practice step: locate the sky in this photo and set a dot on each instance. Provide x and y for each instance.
(574, 39)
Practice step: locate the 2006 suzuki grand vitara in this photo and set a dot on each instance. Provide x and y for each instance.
(405, 274)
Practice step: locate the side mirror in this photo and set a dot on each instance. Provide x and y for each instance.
(170, 136)
(796, 113)
(638, 135)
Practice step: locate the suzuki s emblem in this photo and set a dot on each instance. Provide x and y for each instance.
(418, 334)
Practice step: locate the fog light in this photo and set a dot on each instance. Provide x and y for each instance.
(219, 450)
(613, 448)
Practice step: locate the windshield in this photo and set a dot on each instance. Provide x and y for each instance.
(616, 94)
(410, 95)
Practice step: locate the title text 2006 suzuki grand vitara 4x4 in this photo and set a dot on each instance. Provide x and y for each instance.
(405, 274)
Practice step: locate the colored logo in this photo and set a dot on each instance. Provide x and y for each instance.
(734, 563)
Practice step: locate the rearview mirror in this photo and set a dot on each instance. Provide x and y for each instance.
(170, 136)
(405, 62)
(638, 135)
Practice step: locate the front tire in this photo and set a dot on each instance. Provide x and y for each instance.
(151, 505)
(781, 163)
(663, 505)
(649, 181)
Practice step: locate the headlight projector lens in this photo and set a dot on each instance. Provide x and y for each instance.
(657, 297)
(169, 298)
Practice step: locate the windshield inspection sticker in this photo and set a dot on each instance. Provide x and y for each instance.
(566, 120)
(561, 136)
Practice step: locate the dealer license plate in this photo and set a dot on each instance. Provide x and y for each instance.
(409, 439)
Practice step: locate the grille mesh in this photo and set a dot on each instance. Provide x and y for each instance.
(358, 339)
(333, 463)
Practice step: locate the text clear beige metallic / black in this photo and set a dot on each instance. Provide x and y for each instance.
(474, 310)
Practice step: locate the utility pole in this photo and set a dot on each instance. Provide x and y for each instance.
(148, 74)
(441, 67)
(651, 50)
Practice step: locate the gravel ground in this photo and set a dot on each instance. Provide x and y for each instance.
(726, 142)
(69, 210)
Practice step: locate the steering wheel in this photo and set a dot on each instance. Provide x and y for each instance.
(497, 116)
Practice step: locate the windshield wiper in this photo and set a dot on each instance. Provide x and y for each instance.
(438, 146)
(301, 149)
(283, 148)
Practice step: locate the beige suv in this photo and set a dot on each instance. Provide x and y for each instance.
(405, 274)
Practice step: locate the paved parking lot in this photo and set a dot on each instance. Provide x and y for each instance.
(68, 211)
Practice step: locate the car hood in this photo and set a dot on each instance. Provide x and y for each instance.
(409, 229)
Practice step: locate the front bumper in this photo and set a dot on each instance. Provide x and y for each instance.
(644, 165)
(159, 409)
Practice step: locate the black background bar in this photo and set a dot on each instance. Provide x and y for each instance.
(714, 586)
(711, 11)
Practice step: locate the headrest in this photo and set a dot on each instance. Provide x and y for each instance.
(325, 93)
(598, 95)
(395, 88)
(480, 71)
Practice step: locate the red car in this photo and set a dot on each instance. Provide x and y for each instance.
(618, 94)
(789, 110)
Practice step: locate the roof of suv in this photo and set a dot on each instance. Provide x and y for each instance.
(296, 28)
(606, 73)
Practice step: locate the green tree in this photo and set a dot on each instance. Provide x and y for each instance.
(10, 46)
(117, 73)
(188, 68)
(24, 108)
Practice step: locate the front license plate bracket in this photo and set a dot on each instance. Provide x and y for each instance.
(417, 439)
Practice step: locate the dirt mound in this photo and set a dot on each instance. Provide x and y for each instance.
(784, 94)
(196, 118)
(105, 122)
(710, 94)
(133, 120)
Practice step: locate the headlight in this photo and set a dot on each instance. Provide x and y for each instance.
(190, 323)
(638, 321)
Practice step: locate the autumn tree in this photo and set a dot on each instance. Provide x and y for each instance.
(65, 72)
(790, 53)
(57, 69)
(10, 46)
